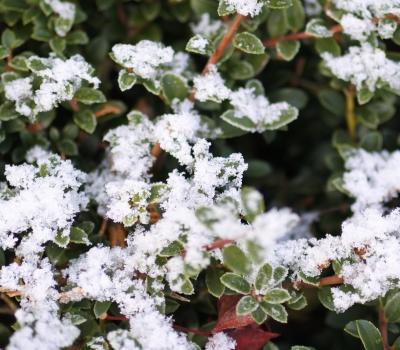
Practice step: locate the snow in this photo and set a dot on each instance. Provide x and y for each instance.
(45, 198)
(245, 7)
(144, 58)
(257, 108)
(211, 86)
(220, 341)
(60, 80)
(365, 66)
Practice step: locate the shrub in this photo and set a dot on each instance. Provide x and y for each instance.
(170, 170)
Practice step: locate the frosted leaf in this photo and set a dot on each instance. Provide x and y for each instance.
(257, 108)
(211, 86)
(369, 8)
(245, 7)
(365, 66)
(64, 9)
(357, 28)
(177, 132)
(144, 58)
(206, 26)
(312, 7)
(128, 201)
(59, 80)
(45, 198)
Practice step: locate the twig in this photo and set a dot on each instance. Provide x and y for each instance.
(224, 43)
(103, 227)
(297, 36)
(351, 119)
(383, 327)
(107, 109)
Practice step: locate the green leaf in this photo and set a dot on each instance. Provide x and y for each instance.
(241, 70)
(236, 283)
(187, 286)
(276, 311)
(89, 96)
(77, 37)
(174, 86)
(392, 308)
(173, 249)
(317, 28)
(279, 274)
(288, 49)
(236, 260)
(277, 296)
(333, 101)
(249, 43)
(58, 45)
(246, 305)
(295, 97)
(325, 297)
(279, 4)
(224, 8)
(101, 307)
(367, 332)
(78, 235)
(264, 277)
(3, 52)
(287, 116)
(299, 304)
(213, 282)
(364, 95)
(199, 44)
(86, 120)
(243, 123)
(372, 141)
(7, 111)
(259, 316)
(252, 202)
(126, 80)
(68, 147)
(327, 45)
(61, 239)
(295, 16)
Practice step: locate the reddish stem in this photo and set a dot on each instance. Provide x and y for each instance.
(219, 244)
(226, 40)
(297, 36)
(331, 280)
(115, 318)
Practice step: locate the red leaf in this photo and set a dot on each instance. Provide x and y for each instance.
(251, 337)
(227, 318)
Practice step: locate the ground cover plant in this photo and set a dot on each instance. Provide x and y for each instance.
(199, 174)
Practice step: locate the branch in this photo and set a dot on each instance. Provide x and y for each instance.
(297, 36)
(351, 119)
(224, 43)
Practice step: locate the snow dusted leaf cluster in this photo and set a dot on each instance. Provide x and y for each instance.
(52, 81)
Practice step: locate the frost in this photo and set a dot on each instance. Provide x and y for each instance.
(369, 8)
(64, 9)
(356, 28)
(312, 7)
(144, 58)
(59, 81)
(206, 26)
(245, 7)
(365, 67)
(372, 177)
(220, 341)
(211, 86)
(257, 108)
(177, 132)
(45, 197)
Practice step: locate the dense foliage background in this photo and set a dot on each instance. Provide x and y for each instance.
(298, 163)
